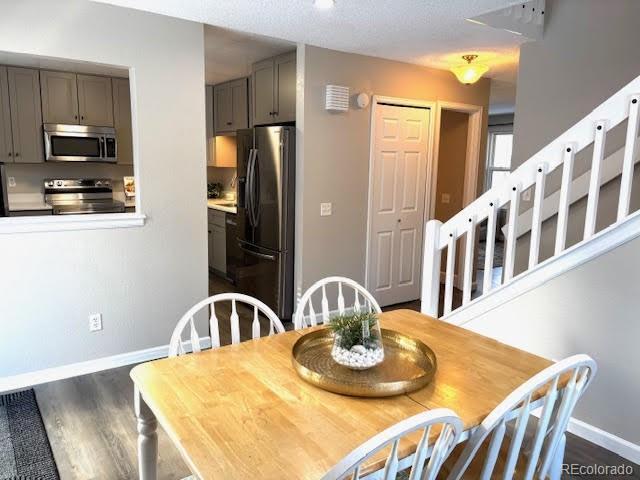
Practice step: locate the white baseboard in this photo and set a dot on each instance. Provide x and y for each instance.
(30, 379)
(606, 440)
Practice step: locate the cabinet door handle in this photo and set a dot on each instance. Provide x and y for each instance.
(229, 123)
(17, 154)
(75, 117)
(10, 154)
(82, 117)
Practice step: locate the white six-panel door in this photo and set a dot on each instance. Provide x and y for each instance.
(396, 218)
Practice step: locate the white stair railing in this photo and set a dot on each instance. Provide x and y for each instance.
(592, 129)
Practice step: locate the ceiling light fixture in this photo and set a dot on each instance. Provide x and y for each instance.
(324, 4)
(469, 73)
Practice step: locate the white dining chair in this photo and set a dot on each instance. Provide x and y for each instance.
(427, 459)
(176, 345)
(542, 454)
(301, 320)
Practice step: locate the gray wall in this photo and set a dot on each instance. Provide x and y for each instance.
(333, 152)
(592, 309)
(588, 52)
(140, 279)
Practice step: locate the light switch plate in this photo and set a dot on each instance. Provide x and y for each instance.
(446, 198)
(11, 181)
(325, 209)
(95, 322)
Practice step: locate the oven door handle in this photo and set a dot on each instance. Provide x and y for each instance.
(257, 254)
(102, 149)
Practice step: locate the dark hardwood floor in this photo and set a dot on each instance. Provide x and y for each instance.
(92, 428)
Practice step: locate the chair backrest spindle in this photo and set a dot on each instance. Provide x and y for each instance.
(176, 345)
(306, 301)
(354, 464)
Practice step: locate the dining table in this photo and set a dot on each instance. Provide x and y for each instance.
(241, 411)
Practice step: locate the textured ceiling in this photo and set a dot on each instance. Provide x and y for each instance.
(426, 32)
(230, 54)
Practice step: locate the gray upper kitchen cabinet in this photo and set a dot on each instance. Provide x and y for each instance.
(122, 120)
(262, 86)
(26, 114)
(231, 106)
(59, 92)
(6, 143)
(274, 90)
(95, 101)
(285, 88)
(209, 125)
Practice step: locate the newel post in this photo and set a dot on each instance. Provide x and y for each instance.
(431, 269)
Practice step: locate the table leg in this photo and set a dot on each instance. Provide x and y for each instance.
(147, 439)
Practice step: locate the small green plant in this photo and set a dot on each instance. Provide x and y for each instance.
(356, 329)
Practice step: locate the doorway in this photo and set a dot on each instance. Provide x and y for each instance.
(406, 141)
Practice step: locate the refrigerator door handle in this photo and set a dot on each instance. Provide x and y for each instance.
(256, 254)
(256, 188)
(249, 187)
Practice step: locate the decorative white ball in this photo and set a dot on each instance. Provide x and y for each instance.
(359, 349)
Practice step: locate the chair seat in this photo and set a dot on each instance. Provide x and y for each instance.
(475, 468)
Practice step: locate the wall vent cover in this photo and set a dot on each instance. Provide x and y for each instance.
(337, 98)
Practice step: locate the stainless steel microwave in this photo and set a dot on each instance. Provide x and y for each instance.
(79, 143)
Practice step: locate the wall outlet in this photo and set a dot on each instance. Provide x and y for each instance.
(95, 322)
(11, 181)
(526, 195)
(446, 198)
(325, 209)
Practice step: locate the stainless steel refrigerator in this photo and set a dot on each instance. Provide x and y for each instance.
(266, 194)
(4, 203)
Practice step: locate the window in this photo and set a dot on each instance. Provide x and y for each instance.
(498, 154)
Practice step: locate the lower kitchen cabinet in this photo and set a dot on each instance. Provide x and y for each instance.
(217, 242)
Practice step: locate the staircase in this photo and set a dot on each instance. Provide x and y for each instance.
(524, 18)
(556, 159)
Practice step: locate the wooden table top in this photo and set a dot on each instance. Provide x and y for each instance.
(241, 411)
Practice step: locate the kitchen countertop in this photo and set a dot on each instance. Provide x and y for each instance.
(215, 204)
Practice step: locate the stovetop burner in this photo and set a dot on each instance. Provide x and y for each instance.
(81, 196)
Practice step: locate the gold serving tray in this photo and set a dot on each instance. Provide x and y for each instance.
(408, 365)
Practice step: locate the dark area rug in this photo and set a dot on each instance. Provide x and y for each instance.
(498, 254)
(25, 452)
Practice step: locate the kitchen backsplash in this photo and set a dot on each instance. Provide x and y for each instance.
(30, 178)
(223, 176)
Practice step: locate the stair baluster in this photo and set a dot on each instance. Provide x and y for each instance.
(594, 182)
(470, 243)
(536, 224)
(627, 162)
(510, 247)
(565, 196)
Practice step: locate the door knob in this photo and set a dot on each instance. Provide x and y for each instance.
(399, 220)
